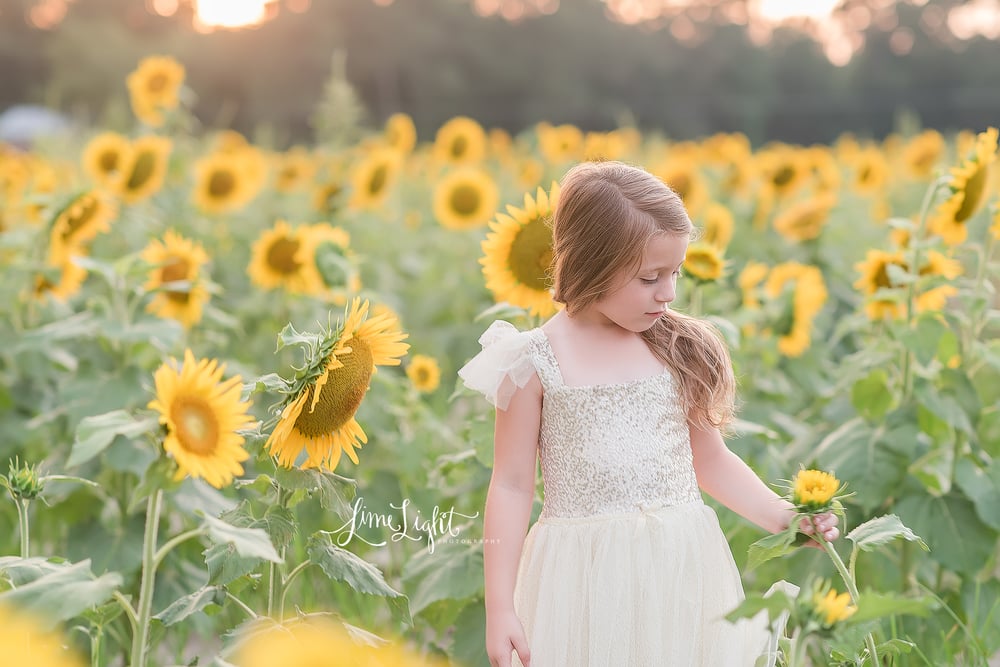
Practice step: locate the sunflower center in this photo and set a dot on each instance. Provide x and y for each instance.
(378, 179)
(975, 188)
(465, 200)
(783, 175)
(422, 375)
(175, 270)
(221, 184)
(197, 426)
(864, 174)
(108, 161)
(281, 256)
(142, 170)
(341, 396)
(157, 83)
(882, 279)
(459, 145)
(807, 220)
(531, 254)
(80, 214)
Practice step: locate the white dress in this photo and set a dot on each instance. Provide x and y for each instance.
(626, 565)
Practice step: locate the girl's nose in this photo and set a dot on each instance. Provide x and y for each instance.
(665, 295)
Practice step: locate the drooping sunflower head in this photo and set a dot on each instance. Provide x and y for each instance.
(517, 254)
(806, 219)
(400, 133)
(424, 373)
(221, 184)
(175, 277)
(146, 168)
(81, 220)
(318, 414)
(105, 158)
(874, 270)
(373, 178)
(970, 183)
(202, 415)
(460, 141)
(154, 87)
(704, 262)
(465, 199)
(282, 257)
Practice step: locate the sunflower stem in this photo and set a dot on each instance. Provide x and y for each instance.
(852, 589)
(22, 522)
(140, 637)
(286, 583)
(242, 605)
(911, 290)
(127, 607)
(273, 576)
(169, 545)
(976, 323)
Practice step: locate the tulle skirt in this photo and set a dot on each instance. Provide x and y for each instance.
(644, 589)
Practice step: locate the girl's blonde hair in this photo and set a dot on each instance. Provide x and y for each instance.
(607, 213)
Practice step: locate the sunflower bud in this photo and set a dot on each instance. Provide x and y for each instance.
(814, 489)
(23, 480)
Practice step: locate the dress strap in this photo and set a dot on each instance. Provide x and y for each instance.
(546, 364)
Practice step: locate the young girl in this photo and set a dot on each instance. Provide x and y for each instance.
(623, 400)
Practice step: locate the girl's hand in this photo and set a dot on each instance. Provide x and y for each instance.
(504, 633)
(822, 524)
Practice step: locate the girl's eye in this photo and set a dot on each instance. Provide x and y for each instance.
(649, 281)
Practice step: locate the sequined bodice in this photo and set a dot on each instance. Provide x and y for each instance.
(613, 447)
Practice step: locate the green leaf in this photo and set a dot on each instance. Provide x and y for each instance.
(879, 605)
(63, 592)
(83, 325)
(770, 547)
(882, 530)
(982, 486)
(454, 571)
(774, 604)
(469, 636)
(943, 406)
(251, 542)
(335, 492)
(894, 647)
(95, 434)
(925, 338)
(192, 604)
(225, 564)
(952, 529)
(342, 565)
(871, 396)
(272, 382)
(289, 336)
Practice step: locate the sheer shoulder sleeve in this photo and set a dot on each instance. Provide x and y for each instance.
(503, 366)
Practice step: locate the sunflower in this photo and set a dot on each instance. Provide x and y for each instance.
(80, 221)
(833, 608)
(560, 143)
(318, 415)
(221, 184)
(311, 641)
(783, 168)
(805, 220)
(465, 198)
(334, 261)
(294, 170)
(154, 87)
(969, 186)
(683, 175)
(460, 141)
(936, 264)
(922, 153)
(424, 373)
(26, 641)
(146, 168)
(529, 172)
(870, 171)
(718, 221)
(824, 168)
(763, 206)
(176, 260)
(68, 275)
(704, 262)
(517, 254)
(809, 294)
(105, 157)
(752, 275)
(202, 415)
(874, 271)
(373, 178)
(282, 257)
(603, 146)
(400, 133)
(328, 197)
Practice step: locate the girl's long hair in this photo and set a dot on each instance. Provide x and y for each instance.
(607, 213)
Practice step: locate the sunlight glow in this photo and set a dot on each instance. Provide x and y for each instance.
(780, 10)
(231, 13)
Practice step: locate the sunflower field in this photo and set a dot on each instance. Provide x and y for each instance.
(232, 431)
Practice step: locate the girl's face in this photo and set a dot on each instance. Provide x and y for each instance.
(641, 298)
